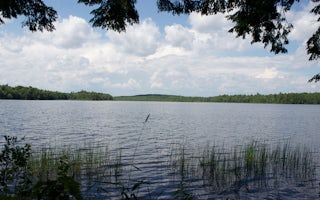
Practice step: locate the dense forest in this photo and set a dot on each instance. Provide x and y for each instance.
(282, 98)
(30, 93)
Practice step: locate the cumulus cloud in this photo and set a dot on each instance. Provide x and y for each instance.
(72, 32)
(210, 35)
(10, 44)
(179, 36)
(141, 39)
(170, 78)
(209, 24)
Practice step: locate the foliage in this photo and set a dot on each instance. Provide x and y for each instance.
(38, 15)
(265, 21)
(113, 14)
(315, 78)
(30, 93)
(313, 43)
(15, 179)
(83, 95)
(63, 187)
(281, 98)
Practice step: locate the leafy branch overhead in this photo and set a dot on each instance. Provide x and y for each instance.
(113, 14)
(264, 20)
(38, 15)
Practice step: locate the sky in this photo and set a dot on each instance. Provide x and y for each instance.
(189, 55)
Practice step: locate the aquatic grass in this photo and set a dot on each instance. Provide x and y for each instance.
(44, 162)
(243, 168)
(89, 162)
(252, 166)
(292, 162)
(182, 160)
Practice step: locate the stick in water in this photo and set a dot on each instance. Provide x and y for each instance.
(147, 118)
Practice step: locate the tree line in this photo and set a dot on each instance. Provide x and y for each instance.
(31, 93)
(281, 98)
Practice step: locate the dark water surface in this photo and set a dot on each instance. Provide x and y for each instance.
(120, 125)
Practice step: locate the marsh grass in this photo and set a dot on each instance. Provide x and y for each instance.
(252, 166)
(89, 164)
(182, 161)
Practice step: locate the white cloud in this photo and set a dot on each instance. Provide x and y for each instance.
(269, 73)
(141, 39)
(209, 24)
(169, 78)
(168, 50)
(130, 84)
(10, 44)
(211, 36)
(72, 32)
(179, 36)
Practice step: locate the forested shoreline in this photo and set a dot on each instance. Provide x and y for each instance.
(31, 93)
(281, 98)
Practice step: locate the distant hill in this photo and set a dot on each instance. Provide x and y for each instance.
(31, 93)
(160, 97)
(281, 98)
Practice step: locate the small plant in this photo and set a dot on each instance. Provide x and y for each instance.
(64, 187)
(18, 182)
(15, 175)
(181, 193)
(130, 193)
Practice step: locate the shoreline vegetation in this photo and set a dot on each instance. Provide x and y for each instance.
(281, 98)
(98, 172)
(31, 93)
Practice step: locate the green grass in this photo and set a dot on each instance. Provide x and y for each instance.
(224, 169)
(88, 162)
(251, 166)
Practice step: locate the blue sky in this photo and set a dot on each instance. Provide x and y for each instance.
(184, 55)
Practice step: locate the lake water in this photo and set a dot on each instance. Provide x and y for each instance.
(120, 125)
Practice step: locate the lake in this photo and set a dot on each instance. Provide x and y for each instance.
(121, 125)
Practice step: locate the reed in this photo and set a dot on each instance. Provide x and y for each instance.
(87, 162)
(224, 169)
(181, 160)
(252, 166)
